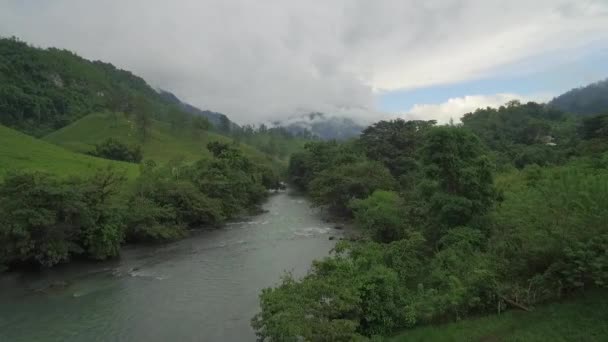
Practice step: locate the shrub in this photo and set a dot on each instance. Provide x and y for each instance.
(45, 220)
(115, 150)
(381, 215)
(337, 186)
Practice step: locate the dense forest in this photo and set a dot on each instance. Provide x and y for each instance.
(506, 210)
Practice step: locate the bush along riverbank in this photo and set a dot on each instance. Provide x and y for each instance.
(46, 220)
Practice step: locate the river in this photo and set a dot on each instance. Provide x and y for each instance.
(203, 288)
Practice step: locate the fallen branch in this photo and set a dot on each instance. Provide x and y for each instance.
(515, 304)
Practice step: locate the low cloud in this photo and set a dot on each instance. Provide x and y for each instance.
(455, 108)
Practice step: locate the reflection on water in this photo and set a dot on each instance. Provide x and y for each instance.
(204, 288)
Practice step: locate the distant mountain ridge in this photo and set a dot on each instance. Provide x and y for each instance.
(217, 119)
(588, 100)
(322, 126)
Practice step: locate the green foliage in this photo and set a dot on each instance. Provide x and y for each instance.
(589, 100)
(545, 223)
(594, 136)
(395, 143)
(230, 177)
(115, 150)
(576, 319)
(449, 241)
(45, 221)
(458, 183)
(524, 134)
(586, 263)
(319, 156)
(275, 141)
(381, 215)
(342, 299)
(191, 206)
(169, 199)
(150, 221)
(338, 186)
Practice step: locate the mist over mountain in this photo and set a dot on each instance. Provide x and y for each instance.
(323, 126)
(587, 100)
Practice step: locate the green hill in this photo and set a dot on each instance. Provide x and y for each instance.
(19, 151)
(589, 100)
(162, 144)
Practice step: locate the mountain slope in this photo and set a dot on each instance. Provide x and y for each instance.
(218, 120)
(589, 100)
(19, 151)
(42, 90)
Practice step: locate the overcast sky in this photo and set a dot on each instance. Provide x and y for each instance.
(260, 60)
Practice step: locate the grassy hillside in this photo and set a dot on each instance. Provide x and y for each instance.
(582, 319)
(19, 151)
(163, 143)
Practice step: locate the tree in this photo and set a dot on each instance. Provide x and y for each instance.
(178, 118)
(225, 124)
(45, 220)
(395, 143)
(115, 150)
(458, 181)
(337, 186)
(142, 111)
(200, 125)
(381, 215)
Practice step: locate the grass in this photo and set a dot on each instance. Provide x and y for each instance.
(19, 151)
(163, 143)
(581, 319)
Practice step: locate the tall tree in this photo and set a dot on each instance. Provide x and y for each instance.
(458, 176)
(142, 111)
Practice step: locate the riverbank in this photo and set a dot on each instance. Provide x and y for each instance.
(204, 287)
(577, 319)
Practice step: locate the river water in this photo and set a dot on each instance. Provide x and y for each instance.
(203, 288)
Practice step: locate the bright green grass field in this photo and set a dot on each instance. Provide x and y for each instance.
(582, 319)
(19, 151)
(162, 144)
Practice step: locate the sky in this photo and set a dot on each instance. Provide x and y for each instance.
(265, 60)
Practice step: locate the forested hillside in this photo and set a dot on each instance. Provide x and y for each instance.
(42, 90)
(504, 211)
(588, 100)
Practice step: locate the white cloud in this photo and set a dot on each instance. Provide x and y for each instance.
(455, 108)
(258, 60)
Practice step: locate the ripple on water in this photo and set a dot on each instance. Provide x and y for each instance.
(312, 231)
